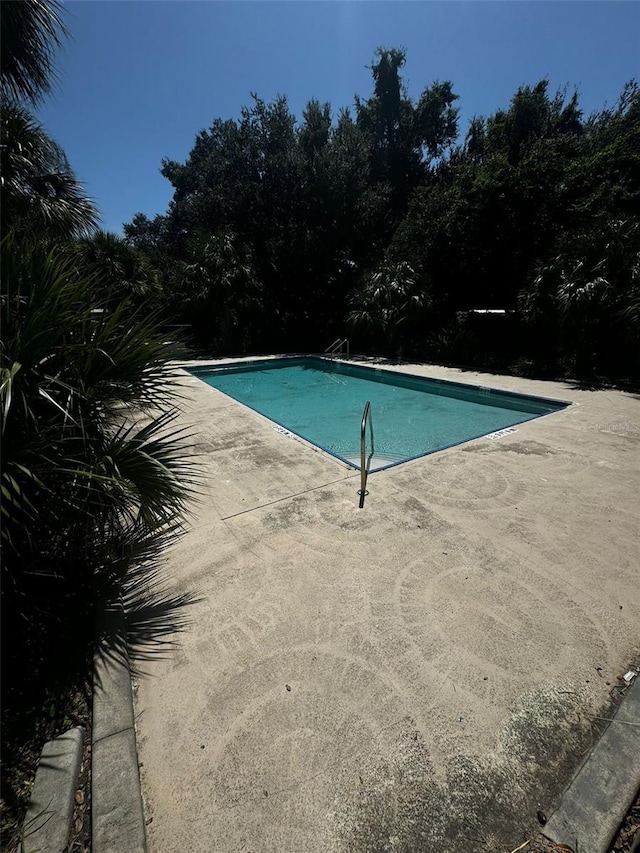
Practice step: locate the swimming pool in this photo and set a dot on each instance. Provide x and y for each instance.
(322, 401)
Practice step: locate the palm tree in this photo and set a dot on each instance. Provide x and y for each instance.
(95, 479)
(119, 266)
(41, 196)
(85, 480)
(589, 292)
(94, 475)
(216, 290)
(388, 303)
(31, 31)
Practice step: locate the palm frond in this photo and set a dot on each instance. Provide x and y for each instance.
(40, 193)
(31, 31)
(84, 479)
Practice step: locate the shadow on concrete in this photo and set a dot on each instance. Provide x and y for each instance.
(142, 624)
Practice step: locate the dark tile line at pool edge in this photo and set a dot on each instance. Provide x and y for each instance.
(351, 465)
(287, 361)
(461, 385)
(426, 453)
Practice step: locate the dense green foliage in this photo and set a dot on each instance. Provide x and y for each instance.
(85, 488)
(94, 475)
(378, 224)
(93, 480)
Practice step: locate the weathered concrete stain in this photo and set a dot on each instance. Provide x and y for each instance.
(401, 805)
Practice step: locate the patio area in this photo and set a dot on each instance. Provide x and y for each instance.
(420, 674)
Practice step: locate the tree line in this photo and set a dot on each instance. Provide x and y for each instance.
(385, 224)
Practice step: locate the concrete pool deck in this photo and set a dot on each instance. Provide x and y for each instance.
(421, 674)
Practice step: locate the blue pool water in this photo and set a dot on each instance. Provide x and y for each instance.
(322, 401)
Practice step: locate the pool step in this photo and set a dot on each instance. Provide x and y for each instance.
(377, 461)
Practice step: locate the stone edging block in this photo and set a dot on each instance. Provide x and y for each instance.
(595, 803)
(117, 812)
(47, 826)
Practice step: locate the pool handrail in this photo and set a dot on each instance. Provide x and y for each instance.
(366, 416)
(336, 348)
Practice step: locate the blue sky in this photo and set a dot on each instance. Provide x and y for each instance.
(139, 79)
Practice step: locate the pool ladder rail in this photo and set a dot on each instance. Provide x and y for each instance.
(339, 347)
(364, 460)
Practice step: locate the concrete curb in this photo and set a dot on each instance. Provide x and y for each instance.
(47, 826)
(595, 803)
(117, 813)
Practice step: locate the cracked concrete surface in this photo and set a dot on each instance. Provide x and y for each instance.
(417, 675)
